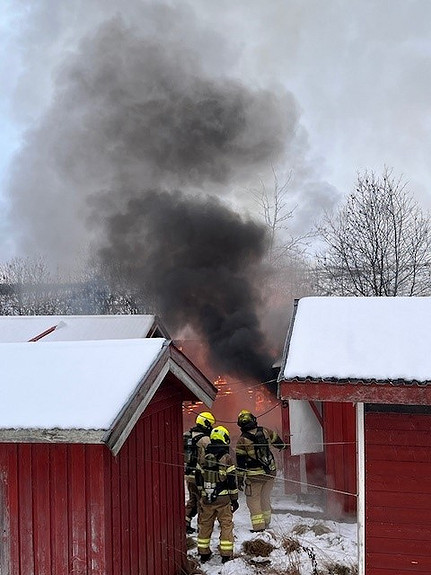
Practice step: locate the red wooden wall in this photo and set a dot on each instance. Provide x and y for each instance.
(339, 436)
(76, 509)
(398, 493)
(335, 469)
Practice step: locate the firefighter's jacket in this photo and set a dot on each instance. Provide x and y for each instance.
(249, 464)
(201, 444)
(216, 475)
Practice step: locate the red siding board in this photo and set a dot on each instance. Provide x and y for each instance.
(133, 499)
(108, 461)
(396, 562)
(5, 517)
(41, 509)
(392, 499)
(59, 510)
(340, 450)
(410, 453)
(25, 510)
(116, 515)
(403, 515)
(403, 438)
(12, 508)
(95, 492)
(124, 508)
(384, 545)
(77, 507)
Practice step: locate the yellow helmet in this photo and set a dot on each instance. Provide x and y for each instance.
(205, 419)
(246, 420)
(220, 433)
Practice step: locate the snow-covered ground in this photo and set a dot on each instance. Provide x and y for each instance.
(322, 542)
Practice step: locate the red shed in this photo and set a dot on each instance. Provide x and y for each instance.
(91, 460)
(374, 353)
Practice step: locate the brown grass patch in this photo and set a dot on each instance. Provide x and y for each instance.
(191, 567)
(339, 569)
(300, 529)
(320, 529)
(257, 548)
(291, 545)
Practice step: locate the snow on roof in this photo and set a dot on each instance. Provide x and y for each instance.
(360, 338)
(77, 327)
(71, 385)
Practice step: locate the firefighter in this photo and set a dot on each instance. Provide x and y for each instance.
(195, 441)
(256, 467)
(216, 481)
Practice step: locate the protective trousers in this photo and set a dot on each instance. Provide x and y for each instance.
(221, 510)
(192, 505)
(258, 498)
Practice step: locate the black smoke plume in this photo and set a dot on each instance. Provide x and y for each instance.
(137, 115)
(198, 257)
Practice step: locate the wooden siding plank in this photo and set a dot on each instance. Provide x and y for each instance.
(13, 501)
(392, 499)
(116, 516)
(340, 456)
(403, 486)
(386, 437)
(59, 510)
(407, 453)
(125, 508)
(385, 545)
(398, 422)
(178, 493)
(157, 492)
(164, 511)
(399, 531)
(403, 515)
(133, 497)
(171, 472)
(397, 562)
(403, 470)
(5, 516)
(108, 460)
(77, 509)
(149, 489)
(41, 509)
(95, 510)
(26, 549)
(140, 495)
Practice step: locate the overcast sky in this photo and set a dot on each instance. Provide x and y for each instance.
(355, 76)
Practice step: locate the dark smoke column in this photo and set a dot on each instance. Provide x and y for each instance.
(139, 111)
(197, 259)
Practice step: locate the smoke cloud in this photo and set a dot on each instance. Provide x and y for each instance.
(137, 155)
(199, 258)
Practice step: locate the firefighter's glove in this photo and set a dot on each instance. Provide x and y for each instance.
(234, 505)
(240, 482)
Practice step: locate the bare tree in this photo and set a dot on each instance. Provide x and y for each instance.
(287, 271)
(276, 214)
(377, 244)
